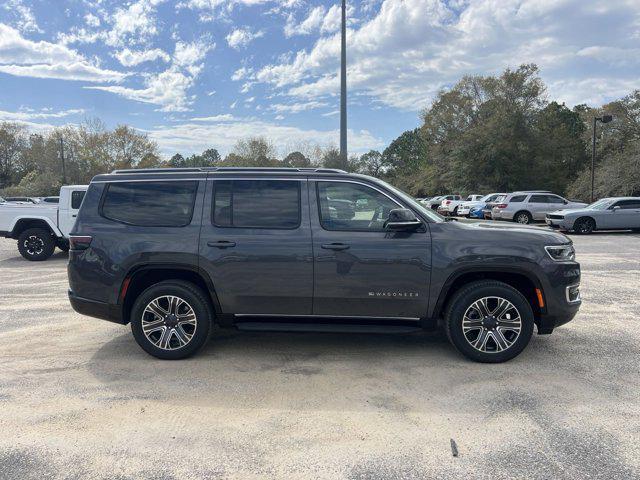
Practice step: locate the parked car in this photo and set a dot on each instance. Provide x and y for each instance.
(466, 207)
(450, 207)
(487, 209)
(616, 213)
(39, 228)
(21, 200)
(436, 202)
(50, 200)
(176, 251)
(524, 207)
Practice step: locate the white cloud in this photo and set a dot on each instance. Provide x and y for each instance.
(191, 137)
(297, 107)
(169, 89)
(28, 115)
(241, 37)
(22, 57)
(25, 19)
(308, 25)
(225, 117)
(134, 24)
(91, 20)
(410, 49)
(130, 58)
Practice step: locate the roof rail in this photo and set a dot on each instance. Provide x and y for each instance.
(228, 169)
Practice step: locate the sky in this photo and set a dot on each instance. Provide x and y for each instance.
(198, 74)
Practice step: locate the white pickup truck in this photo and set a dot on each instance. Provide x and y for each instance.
(42, 227)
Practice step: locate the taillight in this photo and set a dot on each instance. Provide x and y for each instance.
(447, 202)
(501, 205)
(79, 242)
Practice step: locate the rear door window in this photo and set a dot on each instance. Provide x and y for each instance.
(273, 204)
(150, 204)
(538, 199)
(76, 199)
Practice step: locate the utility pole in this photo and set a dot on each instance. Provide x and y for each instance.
(603, 119)
(64, 172)
(343, 85)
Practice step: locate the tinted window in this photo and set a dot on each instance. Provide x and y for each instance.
(76, 199)
(518, 198)
(150, 204)
(627, 204)
(256, 203)
(351, 206)
(538, 199)
(554, 199)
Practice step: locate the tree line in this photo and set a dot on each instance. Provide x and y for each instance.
(486, 133)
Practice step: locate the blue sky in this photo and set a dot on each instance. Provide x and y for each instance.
(195, 74)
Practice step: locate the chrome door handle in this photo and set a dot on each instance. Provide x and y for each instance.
(222, 244)
(335, 246)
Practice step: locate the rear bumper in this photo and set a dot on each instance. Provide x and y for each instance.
(96, 309)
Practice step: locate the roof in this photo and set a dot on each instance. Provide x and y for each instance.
(229, 169)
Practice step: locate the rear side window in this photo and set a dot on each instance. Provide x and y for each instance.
(76, 199)
(150, 204)
(517, 199)
(538, 199)
(273, 204)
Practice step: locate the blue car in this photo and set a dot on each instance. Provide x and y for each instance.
(477, 212)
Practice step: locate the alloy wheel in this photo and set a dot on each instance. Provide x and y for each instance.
(491, 324)
(523, 218)
(33, 245)
(169, 322)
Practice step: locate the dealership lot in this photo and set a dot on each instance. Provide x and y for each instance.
(80, 399)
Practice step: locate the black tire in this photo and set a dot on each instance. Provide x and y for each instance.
(463, 301)
(198, 334)
(36, 244)
(523, 217)
(455, 212)
(584, 226)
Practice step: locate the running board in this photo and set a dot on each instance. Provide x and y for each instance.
(325, 327)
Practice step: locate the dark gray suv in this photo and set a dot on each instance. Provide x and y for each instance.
(176, 252)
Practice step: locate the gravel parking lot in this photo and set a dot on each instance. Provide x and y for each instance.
(80, 399)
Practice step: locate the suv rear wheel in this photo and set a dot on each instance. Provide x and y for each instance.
(36, 244)
(171, 320)
(523, 217)
(489, 321)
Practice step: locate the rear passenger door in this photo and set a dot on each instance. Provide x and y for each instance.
(255, 244)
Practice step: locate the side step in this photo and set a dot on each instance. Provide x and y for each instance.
(326, 327)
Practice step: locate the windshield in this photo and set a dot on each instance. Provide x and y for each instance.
(600, 204)
(427, 212)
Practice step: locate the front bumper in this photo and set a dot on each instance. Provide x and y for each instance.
(557, 223)
(559, 290)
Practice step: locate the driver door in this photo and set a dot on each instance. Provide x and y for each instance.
(360, 269)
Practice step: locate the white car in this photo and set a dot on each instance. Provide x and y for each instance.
(40, 228)
(464, 209)
(449, 206)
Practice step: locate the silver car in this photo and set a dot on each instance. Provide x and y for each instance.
(525, 207)
(617, 213)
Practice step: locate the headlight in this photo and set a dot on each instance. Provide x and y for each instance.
(561, 253)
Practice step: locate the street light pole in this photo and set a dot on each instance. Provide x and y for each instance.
(343, 85)
(64, 172)
(603, 119)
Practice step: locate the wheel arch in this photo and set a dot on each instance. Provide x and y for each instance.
(140, 278)
(25, 223)
(520, 279)
(523, 210)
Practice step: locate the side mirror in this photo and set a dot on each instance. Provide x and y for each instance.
(565, 201)
(402, 220)
(616, 208)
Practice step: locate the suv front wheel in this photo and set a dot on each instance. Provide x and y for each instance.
(171, 320)
(489, 321)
